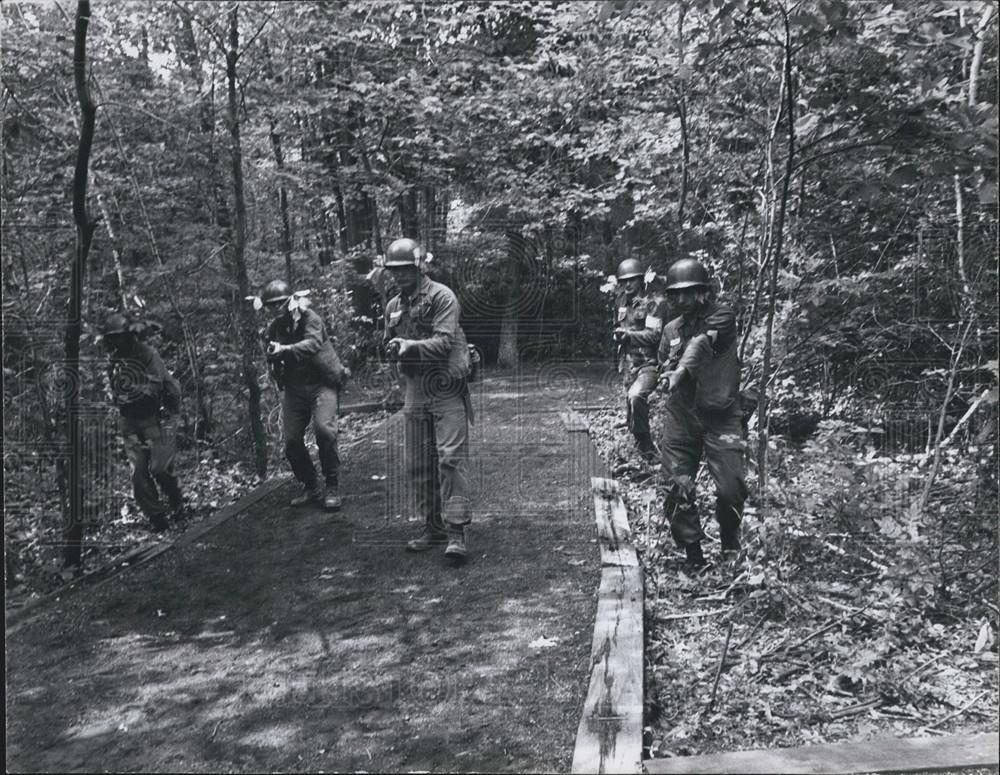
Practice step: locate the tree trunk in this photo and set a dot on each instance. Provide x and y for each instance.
(508, 356)
(409, 222)
(286, 229)
(685, 139)
(85, 226)
(778, 239)
(245, 313)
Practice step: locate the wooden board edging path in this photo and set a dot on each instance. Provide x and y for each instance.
(609, 738)
(917, 754)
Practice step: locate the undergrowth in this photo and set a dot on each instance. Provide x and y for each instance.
(863, 605)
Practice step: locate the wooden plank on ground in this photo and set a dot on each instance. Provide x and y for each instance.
(919, 754)
(369, 406)
(143, 554)
(613, 533)
(609, 738)
(574, 421)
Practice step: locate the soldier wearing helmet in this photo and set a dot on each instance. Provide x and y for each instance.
(640, 320)
(423, 334)
(148, 399)
(700, 372)
(309, 375)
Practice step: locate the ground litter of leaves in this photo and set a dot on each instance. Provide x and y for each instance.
(852, 615)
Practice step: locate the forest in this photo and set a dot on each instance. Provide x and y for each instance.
(834, 163)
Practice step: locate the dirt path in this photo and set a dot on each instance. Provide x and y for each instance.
(293, 640)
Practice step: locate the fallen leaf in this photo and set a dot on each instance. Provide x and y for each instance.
(984, 638)
(543, 643)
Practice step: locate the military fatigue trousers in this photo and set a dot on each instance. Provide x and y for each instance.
(151, 445)
(689, 435)
(299, 405)
(436, 450)
(640, 383)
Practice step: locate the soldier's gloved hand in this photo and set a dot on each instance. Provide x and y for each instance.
(276, 348)
(621, 334)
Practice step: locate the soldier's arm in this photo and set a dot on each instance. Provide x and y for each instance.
(315, 334)
(668, 339)
(719, 334)
(653, 330)
(445, 327)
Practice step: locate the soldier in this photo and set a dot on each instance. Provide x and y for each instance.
(702, 412)
(640, 322)
(148, 398)
(307, 370)
(423, 333)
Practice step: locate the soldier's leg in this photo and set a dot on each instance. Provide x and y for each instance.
(296, 411)
(324, 419)
(143, 487)
(163, 451)
(724, 447)
(420, 453)
(638, 402)
(451, 431)
(680, 448)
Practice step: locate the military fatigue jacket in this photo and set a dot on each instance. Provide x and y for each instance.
(644, 316)
(311, 358)
(141, 384)
(704, 345)
(429, 317)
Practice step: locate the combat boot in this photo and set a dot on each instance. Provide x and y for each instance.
(647, 449)
(428, 539)
(332, 500)
(312, 493)
(456, 543)
(695, 557)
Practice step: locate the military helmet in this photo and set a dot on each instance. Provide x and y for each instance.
(404, 252)
(687, 273)
(275, 291)
(629, 268)
(116, 323)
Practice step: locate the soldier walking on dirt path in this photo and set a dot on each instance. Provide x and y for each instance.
(423, 334)
(700, 373)
(638, 328)
(309, 373)
(148, 398)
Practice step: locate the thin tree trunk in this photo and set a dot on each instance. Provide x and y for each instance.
(763, 420)
(85, 226)
(115, 253)
(286, 228)
(508, 356)
(247, 324)
(685, 139)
